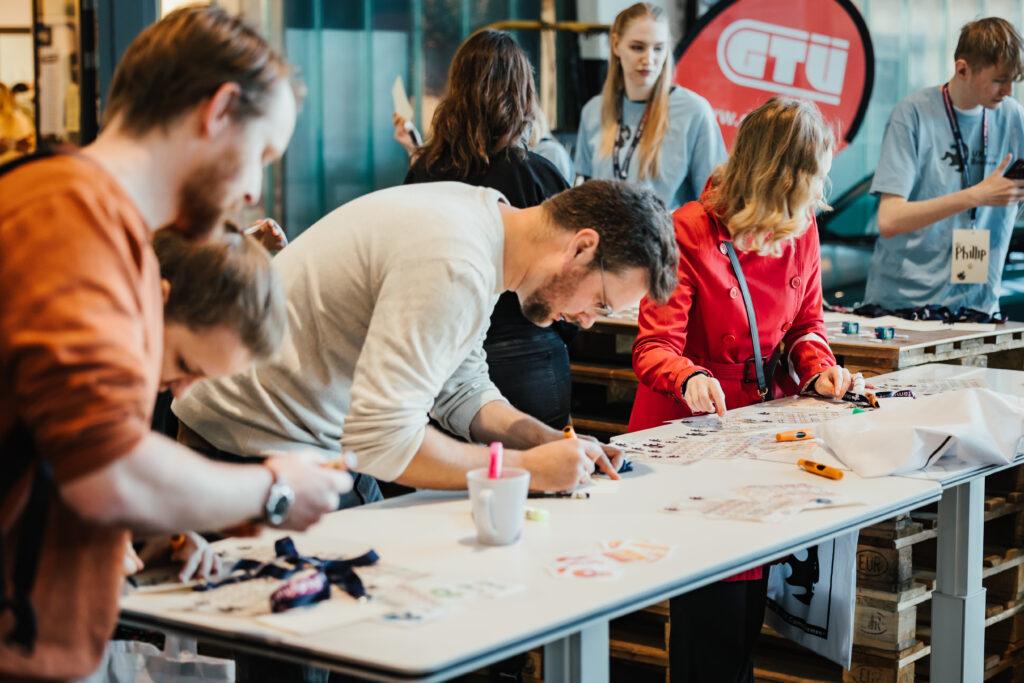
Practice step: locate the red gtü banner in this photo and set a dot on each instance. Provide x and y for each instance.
(742, 52)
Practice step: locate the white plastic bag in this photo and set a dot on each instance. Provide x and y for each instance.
(978, 426)
(131, 661)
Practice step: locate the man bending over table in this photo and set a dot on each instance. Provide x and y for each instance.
(389, 298)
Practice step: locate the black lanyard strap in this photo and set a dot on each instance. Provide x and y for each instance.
(288, 561)
(961, 146)
(621, 172)
(762, 383)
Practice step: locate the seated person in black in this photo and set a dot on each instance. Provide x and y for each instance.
(480, 129)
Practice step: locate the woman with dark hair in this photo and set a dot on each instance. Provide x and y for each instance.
(479, 134)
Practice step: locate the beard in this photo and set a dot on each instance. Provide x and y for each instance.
(203, 201)
(538, 307)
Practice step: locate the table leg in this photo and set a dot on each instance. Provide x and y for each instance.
(581, 657)
(958, 603)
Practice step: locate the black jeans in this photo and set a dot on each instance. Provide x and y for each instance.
(713, 631)
(530, 367)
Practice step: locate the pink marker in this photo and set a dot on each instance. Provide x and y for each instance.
(497, 451)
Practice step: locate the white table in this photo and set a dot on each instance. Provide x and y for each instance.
(958, 603)
(570, 617)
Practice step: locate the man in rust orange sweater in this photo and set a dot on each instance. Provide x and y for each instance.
(198, 105)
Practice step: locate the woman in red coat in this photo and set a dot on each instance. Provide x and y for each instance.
(694, 354)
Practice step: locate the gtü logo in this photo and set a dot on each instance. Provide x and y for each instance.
(746, 45)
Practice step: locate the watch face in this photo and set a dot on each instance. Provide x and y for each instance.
(278, 502)
(280, 506)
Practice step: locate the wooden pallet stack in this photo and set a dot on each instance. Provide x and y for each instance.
(886, 643)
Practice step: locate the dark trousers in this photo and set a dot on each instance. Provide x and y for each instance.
(713, 631)
(530, 367)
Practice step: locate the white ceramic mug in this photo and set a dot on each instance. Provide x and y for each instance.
(499, 505)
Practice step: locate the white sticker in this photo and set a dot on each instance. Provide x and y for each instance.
(970, 257)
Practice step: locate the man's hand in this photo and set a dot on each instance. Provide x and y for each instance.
(317, 487)
(834, 382)
(268, 233)
(704, 395)
(131, 563)
(558, 466)
(608, 458)
(997, 189)
(198, 558)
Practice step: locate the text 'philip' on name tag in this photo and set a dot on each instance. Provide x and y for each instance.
(970, 257)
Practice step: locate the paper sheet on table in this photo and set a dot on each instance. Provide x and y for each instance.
(977, 426)
(400, 100)
(600, 485)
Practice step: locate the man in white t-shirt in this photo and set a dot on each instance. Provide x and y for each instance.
(389, 300)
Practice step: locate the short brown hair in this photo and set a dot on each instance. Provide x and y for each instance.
(634, 227)
(991, 42)
(225, 280)
(488, 107)
(183, 59)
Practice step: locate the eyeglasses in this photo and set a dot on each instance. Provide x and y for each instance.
(604, 309)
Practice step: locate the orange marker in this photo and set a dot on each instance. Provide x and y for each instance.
(568, 432)
(177, 542)
(819, 469)
(802, 435)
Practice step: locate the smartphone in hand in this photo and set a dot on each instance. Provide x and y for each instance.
(1016, 170)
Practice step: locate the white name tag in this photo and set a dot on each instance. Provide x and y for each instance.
(970, 257)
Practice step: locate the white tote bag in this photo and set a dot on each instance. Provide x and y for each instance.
(812, 596)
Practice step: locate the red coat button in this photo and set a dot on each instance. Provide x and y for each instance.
(795, 282)
(728, 338)
(734, 292)
(786, 326)
(721, 248)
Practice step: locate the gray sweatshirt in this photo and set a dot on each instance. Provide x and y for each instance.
(389, 298)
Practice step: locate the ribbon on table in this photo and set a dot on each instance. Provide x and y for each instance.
(288, 562)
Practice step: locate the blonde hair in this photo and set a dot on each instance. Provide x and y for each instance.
(765, 192)
(656, 124)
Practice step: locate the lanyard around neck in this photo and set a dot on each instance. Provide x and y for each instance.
(961, 146)
(621, 172)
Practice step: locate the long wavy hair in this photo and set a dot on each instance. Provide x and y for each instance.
(773, 181)
(649, 149)
(488, 106)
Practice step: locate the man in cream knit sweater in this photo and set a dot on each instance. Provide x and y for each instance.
(389, 300)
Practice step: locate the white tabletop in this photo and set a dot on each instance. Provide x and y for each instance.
(434, 532)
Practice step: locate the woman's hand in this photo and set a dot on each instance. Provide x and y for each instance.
(403, 135)
(704, 395)
(834, 382)
(198, 558)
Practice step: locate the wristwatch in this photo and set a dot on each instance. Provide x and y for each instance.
(279, 500)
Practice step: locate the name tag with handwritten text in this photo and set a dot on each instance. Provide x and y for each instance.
(970, 257)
